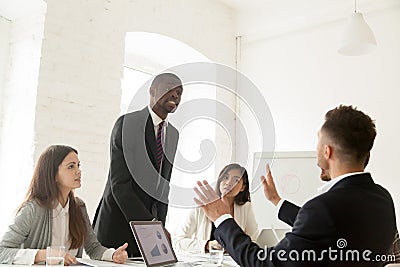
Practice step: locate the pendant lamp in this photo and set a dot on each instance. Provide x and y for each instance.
(358, 38)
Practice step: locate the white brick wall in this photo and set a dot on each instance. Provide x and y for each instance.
(208, 26)
(18, 98)
(5, 26)
(66, 89)
(75, 97)
(79, 91)
(78, 96)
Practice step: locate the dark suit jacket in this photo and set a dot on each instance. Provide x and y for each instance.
(355, 210)
(288, 213)
(134, 188)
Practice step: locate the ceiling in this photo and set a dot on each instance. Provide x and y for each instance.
(315, 5)
(265, 10)
(244, 4)
(269, 18)
(13, 9)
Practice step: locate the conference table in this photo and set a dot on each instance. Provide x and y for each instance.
(195, 260)
(130, 264)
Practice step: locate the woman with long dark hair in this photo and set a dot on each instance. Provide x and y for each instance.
(51, 215)
(196, 234)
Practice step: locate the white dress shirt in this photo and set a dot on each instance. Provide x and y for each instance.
(60, 233)
(322, 189)
(328, 185)
(195, 230)
(156, 121)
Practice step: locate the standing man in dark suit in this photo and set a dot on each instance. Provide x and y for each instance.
(351, 224)
(143, 146)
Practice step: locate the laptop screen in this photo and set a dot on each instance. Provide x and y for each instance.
(153, 243)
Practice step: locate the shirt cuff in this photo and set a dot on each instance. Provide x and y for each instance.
(221, 219)
(107, 255)
(25, 256)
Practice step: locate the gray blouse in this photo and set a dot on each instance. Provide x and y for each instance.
(32, 229)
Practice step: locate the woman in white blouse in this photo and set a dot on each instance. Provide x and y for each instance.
(196, 233)
(52, 216)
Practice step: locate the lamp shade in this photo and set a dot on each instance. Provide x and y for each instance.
(358, 38)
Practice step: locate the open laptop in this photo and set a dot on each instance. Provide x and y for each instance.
(154, 245)
(270, 237)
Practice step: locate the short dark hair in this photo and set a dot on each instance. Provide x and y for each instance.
(243, 196)
(352, 132)
(161, 77)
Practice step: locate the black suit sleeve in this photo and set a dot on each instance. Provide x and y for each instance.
(239, 245)
(312, 230)
(288, 212)
(121, 180)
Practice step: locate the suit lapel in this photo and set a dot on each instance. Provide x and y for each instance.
(150, 139)
(168, 143)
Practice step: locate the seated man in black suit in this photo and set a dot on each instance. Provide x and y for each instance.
(351, 224)
(287, 211)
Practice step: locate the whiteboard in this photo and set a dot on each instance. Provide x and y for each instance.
(296, 177)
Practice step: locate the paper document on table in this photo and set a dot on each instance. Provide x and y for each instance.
(228, 261)
(96, 263)
(193, 258)
(202, 259)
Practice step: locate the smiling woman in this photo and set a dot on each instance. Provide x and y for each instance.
(51, 215)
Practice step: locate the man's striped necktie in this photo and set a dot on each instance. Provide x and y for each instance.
(159, 142)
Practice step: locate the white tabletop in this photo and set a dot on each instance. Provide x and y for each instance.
(200, 260)
(110, 264)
